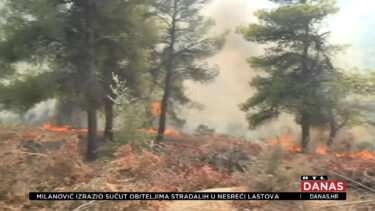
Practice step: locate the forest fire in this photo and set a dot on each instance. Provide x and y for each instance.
(166, 132)
(156, 109)
(209, 99)
(364, 154)
(288, 144)
(321, 149)
(66, 128)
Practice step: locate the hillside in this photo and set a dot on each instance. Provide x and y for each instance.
(35, 159)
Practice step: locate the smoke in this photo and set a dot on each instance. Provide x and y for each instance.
(231, 87)
(354, 25)
(55, 111)
(40, 113)
(221, 98)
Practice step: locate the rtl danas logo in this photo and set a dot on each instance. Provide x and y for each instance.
(320, 184)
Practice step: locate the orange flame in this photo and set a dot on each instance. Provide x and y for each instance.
(156, 109)
(166, 132)
(152, 130)
(66, 128)
(321, 149)
(364, 154)
(286, 143)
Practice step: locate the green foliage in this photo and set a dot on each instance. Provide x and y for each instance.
(125, 49)
(181, 55)
(285, 24)
(130, 128)
(21, 95)
(299, 75)
(132, 117)
(190, 43)
(56, 34)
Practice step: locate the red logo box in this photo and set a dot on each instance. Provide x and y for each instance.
(323, 186)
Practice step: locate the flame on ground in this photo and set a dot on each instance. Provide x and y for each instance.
(286, 143)
(156, 109)
(364, 154)
(166, 132)
(321, 149)
(66, 128)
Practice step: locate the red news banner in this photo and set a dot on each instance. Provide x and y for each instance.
(323, 186)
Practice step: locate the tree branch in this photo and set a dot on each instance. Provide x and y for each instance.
(358, 183)
(349, 203)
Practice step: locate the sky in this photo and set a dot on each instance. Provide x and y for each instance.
(354, 25)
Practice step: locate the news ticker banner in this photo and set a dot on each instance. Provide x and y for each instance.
(312, 188)
(187, 196)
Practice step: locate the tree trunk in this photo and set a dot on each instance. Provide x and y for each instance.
(168, 77)
(91, 137)
(305, 120)
(92, 103)
(64, 114)
(92, 87)
(164, 105)
(332, 135)
(109, 96)
(108, 131)
(305, 126)
(333, 131)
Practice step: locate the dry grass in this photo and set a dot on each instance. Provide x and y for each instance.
(35, 160)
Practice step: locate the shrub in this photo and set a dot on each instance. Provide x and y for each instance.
(204, 130)
(132, 117)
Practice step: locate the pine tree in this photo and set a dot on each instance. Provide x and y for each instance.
(185, 45)
(297, 65)
(74, 38)
(127, 52)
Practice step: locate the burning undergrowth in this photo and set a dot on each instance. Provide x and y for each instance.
(287, 143)
(66, 128)
(44, 160)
